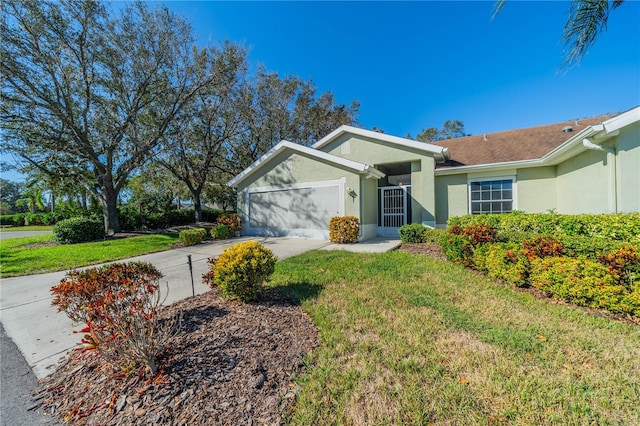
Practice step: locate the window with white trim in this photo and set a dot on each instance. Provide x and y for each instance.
(491, 196)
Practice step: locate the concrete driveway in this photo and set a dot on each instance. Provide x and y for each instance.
(44, 335)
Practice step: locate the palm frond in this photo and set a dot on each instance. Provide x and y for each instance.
(497, 7)
(587, 19)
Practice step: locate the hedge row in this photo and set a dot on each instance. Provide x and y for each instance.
(584, 270)
(618, 227)
(30, 219)
(131, 218)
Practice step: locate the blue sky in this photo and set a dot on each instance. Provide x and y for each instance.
(413, 65)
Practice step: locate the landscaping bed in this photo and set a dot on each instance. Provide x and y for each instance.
(232, 363)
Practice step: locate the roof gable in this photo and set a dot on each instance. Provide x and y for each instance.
(283, 146)
(440, 153)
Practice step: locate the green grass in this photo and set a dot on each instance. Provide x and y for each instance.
(407, 339)
(27, 228)
(16, 259)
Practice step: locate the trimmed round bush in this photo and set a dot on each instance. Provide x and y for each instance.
(78, 230)
(412, 233)
(220, 232)
(344, 229)
(190, 237)
(240, 271)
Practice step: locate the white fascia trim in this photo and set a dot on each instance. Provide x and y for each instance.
(283, 145)
(440, 152)
(622, 120)
(491, 166)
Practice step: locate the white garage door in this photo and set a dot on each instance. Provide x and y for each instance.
(299, 211)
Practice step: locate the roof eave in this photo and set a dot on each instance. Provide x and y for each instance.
(440, 153)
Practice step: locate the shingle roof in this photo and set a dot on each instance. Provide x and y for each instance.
(512, 145)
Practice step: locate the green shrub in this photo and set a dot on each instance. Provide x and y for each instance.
(78, 230)
(592, 248)
(623, 264)
(178, 217)
(232, 221)
(220, 232)
(542, 246)
(433, 235)
(457, 249)
(13, 219)
(344, 229)
(615, 227)
(479, 234)
(630, 303)
(39, 219)
(241, 270)
(190, 237)
(480, 257)
(508, 262)
(412, 233)
(130, 218)
(580, 281)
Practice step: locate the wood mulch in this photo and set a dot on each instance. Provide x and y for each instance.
(432, 249)
(232, 364)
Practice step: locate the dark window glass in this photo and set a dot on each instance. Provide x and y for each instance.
(494, 196)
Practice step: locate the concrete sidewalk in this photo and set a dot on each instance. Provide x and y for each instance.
(373, 245)
(44, 335)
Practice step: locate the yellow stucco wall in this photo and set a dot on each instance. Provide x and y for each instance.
(628, 169)
(536, 189)
(375, 152)
(583, 184)
(451, 197)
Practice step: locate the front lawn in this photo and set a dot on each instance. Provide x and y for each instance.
(407, 339)
(39, 254)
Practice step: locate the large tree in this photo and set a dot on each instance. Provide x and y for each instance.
(10, 192)
(191, 150)
(450, 129)
(282, 108)
(587, 19)
(86, 90)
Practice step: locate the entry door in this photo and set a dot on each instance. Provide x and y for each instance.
(392, 209)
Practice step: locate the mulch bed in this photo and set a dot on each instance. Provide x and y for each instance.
(232, 364)
(432, 249)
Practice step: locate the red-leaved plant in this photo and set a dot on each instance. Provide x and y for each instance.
(119, 306)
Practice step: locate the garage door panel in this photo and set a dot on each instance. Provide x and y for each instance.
(267, 211)
(298, 208)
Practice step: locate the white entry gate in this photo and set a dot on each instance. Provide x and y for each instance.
(392, 209)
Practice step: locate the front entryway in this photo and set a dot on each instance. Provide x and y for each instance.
(393, 209)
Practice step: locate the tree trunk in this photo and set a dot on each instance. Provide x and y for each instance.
(109, 201)
(197, 205)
